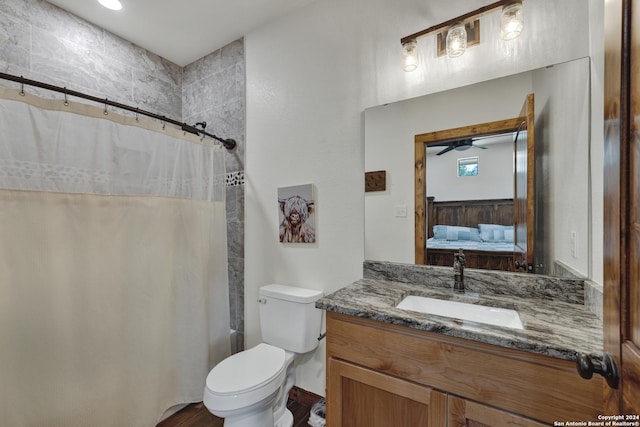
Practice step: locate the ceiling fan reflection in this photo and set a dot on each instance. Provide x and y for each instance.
(459, 145)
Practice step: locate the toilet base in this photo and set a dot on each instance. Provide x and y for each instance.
(257, 419)
(286, 420)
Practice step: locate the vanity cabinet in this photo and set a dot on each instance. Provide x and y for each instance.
(380, 374)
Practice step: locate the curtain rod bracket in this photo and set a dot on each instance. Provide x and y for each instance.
(230, 143)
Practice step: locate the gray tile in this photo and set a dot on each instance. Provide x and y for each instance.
(84, 67)
(236, 275)
(211, 64)
(240, 313)
(233, 324)
(18, 9)
(233, 54)
(239, 342)
(231, 204)
(63, 25)
(203, 67)
(235, 238)
(15, 42)
(157, 95)
(213, 90)
(240, 195)
(142, 61)
(190, 73)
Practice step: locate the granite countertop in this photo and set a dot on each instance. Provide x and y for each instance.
(557, 327)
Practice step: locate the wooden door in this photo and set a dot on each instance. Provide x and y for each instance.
(360, 397)
(631, 344)
(466, 413)
(524, 189)
(621, 202)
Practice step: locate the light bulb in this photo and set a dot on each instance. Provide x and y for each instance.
(456, 40)
(410, 55)
(511, 21)
(111, 4)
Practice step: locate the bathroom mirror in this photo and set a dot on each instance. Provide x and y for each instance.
(561, 163)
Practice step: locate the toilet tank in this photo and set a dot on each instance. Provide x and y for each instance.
(289, 318)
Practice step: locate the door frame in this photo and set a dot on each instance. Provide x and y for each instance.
(420, 170)
(620, 97)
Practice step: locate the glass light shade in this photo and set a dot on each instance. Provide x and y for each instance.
(111, 4)
(410, 55)
(456, 40)
(511, 21)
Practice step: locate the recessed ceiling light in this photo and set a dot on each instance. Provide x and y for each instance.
(111, 4)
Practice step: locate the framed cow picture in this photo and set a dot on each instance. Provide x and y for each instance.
(297, 214)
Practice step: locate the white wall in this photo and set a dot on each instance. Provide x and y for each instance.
(493, 181)
(309, 77)
(562, 165)
(596, 49)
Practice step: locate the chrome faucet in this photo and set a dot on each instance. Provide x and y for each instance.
(458, 271)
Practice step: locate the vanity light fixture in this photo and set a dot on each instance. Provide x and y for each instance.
(511, 20)
(111, 4)
(456, 40)
(410, 55)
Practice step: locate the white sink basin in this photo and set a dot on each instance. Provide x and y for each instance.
(460, 310)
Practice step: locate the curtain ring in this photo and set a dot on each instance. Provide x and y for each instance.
(66, 100)
(22, 87)
(106, 100)
(137, 118)
(163, 123)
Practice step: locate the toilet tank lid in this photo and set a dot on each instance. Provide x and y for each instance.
(291, 293)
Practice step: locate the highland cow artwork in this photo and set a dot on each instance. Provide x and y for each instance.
(297, 214)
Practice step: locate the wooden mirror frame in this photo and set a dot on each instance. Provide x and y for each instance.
(420, 143)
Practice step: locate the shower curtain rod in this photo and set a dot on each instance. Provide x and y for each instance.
(228, 143)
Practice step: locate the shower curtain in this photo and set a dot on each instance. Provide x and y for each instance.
(113, 265)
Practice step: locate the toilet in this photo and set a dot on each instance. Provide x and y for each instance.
(250, 388)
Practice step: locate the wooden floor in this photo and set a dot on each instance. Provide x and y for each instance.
(197, 415)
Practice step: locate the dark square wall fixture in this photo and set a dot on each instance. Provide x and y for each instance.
(375, 181)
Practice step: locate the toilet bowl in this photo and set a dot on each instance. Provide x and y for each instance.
(244, 388)
(251, 388)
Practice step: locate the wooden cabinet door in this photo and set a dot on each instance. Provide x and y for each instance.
(360, 397)
(466, 413)
(621, 201)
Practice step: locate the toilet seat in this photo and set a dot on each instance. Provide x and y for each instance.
(245, 378)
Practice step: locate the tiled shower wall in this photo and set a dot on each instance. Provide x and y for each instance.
(213, 91)
(42, 42)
